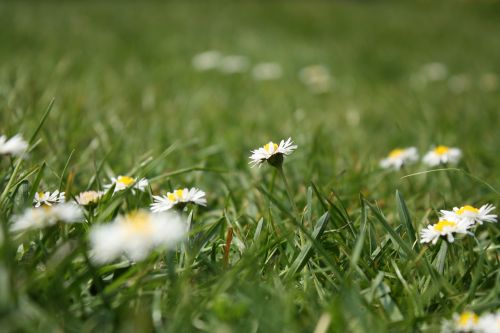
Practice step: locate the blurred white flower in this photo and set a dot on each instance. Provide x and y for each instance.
(316, 77)
(206, 60)
(267, 71)
(48, 198)
(272, 152)
(471, 215)
(489, 323)
(434, 71)
(135, 235)
(45, 216)
(443, 228)
(442, 155)
(124, 182)
(14, 146)
(231, 64)
(89, 198)
(179, 197)
(459, 83)
(399, 157)
(488, 82)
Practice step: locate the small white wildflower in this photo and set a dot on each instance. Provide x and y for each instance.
(488, 82)
(317, 78)
(232, 64)
(89, 198)
(399, 157)
(443, 228)
(45, 216)
(471, 215)
(206, 60)
(135, 235)
(48, 198)
(442, 155)
(124, 182)
(459, 83)
(434, 71)
(179, 197)
(272, 153)
(267, 71)
(489, 323)
(14, 146)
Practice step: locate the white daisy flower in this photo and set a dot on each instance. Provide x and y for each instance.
(14, 146)
(89, 198)
(232, 64)
(489, 323)
(272, 153)
(48, 198)
(206, 60)
(442, 155)
(135, 235)
(180, 198)
(443, 228)
(467, 321)
(124, 182)
(434, 71)
(471, 215)
(316, 77)
(399, 157)
(45, 216)
(267, 71)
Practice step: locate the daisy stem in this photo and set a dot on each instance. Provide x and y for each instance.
(287, 187)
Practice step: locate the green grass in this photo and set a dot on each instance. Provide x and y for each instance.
(124, 92)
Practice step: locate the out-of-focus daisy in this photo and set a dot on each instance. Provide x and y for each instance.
(442, 155)
(45, 216)
(206, 60)
(471, 215)
(48, 198)
(89, 198)
(316, 77)
(135, 235)
(272, 153)
(434, 71)
(267, 71)
(124, 182)
(14, 146)
(488, 82)
(178, 198)
(459, 83)
(231, 64)
(399, 157)
(443, 228)
(489, 323)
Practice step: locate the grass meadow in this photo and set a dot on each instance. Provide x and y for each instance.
(101, 89)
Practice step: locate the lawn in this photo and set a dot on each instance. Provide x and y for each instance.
(330, 242)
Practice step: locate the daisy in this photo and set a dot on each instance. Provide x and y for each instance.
(206, 60)
(180, 198)
(489, 323)
(233, 64)
(14, 146)
(135, 235)
(316, 77)
(467, 321)
(443, 228)
(48, 199)
(124, 182)
(267, 71)
(89, 198)
(471, 215)
(434, 71)
(272, 153)
(46, 216)
(442, 155)
(399, 157)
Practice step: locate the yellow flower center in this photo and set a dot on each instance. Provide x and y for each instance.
(125, 180)
(267, 147)
(138, 223)
(467, 317)
(442, 224)
(176, 195)
(396, 153)
(467, 208)
(441, 150)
